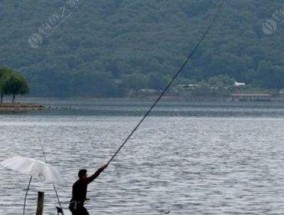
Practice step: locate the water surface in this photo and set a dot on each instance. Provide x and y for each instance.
(177, 162)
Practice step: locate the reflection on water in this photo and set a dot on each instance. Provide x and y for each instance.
(185, 165)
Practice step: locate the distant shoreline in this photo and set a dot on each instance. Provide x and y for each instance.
(6, 107)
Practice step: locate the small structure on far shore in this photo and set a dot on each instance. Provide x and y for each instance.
(239, 84)
(251, 97)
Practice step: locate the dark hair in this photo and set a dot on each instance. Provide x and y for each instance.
(82, 172)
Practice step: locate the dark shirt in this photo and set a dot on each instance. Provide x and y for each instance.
(79, 190)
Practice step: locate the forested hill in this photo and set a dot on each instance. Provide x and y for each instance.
(101, 47)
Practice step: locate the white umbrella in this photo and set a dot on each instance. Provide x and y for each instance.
(34, 168)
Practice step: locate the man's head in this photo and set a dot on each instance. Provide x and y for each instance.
(82, 173)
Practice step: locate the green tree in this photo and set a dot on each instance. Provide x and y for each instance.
(15, 84)
(157, 81)
(135, 82)
(4, 76)
(270, 76)
(221, 81)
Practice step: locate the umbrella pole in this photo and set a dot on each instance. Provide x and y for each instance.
(27, 194)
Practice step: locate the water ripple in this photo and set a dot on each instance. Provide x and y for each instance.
(176, 165)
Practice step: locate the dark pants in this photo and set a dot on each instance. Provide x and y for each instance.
(78, 209)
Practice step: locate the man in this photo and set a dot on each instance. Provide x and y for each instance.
(79, 191)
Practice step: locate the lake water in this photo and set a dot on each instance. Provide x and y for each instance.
(186, 158)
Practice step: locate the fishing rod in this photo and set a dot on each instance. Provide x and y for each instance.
(26, 195)
(172, 80)
(54, 187)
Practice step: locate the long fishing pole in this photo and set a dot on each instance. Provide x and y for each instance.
(171, 82)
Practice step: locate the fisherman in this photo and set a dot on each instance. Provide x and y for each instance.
(79, 191)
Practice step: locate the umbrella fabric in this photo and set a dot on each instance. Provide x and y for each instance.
(35, 168)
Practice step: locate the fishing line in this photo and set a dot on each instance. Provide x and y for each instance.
(54, 187)
(26, 195)
(171, 82)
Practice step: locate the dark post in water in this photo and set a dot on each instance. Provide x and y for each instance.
(40, 201)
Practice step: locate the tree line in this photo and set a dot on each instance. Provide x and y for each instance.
(107, 48)
(12, 83)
